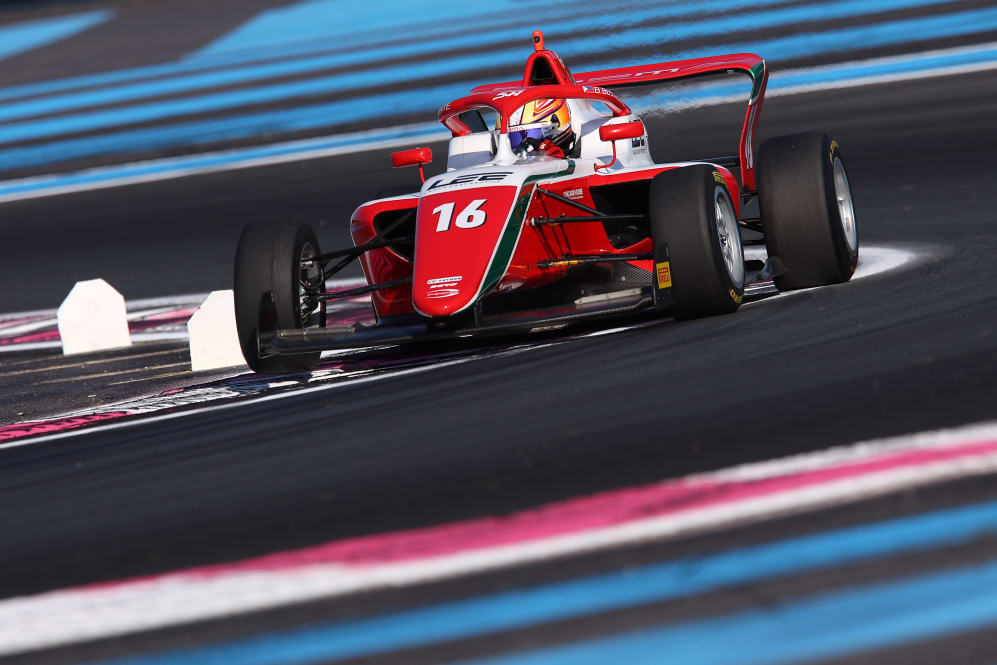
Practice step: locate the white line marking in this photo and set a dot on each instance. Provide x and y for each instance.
(390, 374)
(136, 337)
(877, 260)
(872, 261)
(73, 615)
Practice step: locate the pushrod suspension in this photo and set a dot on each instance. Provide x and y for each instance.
(593, 258)
(589, 218)
(593, 215)
(362, 290)
(349, 255)
(377, 243)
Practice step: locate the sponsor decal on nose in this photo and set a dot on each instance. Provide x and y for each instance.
(442, 293)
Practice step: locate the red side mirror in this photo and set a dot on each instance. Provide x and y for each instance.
(624, 130)
(413, 157)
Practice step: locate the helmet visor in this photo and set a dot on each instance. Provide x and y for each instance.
(516, 138)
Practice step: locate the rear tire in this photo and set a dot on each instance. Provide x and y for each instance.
(807, 211)
(690, 209)
(272, 290)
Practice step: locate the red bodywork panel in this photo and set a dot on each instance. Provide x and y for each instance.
(463, 251)
(381, 265)
(456, 234)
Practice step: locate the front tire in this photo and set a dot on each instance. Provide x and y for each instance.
(690, 209)
(807, 211)
(274, 289)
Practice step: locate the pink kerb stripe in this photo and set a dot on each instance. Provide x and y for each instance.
(576, 515)
(573, 516)
(33, 428)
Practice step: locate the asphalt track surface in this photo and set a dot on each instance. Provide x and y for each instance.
(125, 41)
(900, 352)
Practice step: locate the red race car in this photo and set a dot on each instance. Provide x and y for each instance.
(550, 211)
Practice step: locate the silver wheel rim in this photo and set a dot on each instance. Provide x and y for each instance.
(310, 282)
(846, 211)
(729, 236)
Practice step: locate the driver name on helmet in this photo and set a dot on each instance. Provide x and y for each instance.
(544, 126)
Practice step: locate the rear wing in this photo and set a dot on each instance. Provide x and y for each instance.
(747, 63)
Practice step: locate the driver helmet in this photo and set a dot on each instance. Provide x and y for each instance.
(542, 119)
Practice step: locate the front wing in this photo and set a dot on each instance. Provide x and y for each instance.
(289, 342)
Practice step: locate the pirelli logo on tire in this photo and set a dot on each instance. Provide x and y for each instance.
(661, 287)
(663, 271)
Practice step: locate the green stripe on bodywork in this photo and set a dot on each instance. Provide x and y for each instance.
(506, 245)
(757, 76)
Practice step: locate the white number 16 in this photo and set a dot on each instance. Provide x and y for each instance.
(468, 218)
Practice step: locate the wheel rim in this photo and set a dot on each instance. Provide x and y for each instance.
(310, 283)
(846, 211)
(730, 238)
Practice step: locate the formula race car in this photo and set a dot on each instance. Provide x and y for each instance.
(550, 211)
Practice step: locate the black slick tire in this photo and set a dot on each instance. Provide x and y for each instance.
(683, 213)
(800, 210)
(268, 279)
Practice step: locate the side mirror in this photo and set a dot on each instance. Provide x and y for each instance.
(413, 157)
(624, 130)
(613, 133)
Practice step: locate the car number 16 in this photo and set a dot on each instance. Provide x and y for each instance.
(468, 218)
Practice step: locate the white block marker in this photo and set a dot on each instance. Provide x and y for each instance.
(214, 341)
(93, 318)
